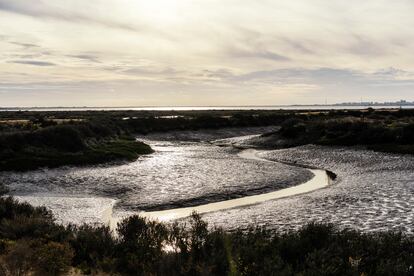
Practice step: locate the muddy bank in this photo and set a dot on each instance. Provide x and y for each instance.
(373, 191)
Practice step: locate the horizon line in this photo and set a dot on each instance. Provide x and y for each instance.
(397, 103)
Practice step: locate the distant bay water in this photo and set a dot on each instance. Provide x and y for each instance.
(200, 108)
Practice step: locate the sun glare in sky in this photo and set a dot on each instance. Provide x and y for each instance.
(160, 12)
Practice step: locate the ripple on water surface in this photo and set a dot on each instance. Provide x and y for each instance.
(373, 192)
(176, 175)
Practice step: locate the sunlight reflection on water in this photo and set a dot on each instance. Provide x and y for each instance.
(176, 175)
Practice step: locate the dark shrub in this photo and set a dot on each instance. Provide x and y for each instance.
(292, 128)
(11, 208)
(52, 258)
(141, 244)
(407, 136)
(34, 257)
(63, 137)
(18, 260)
(93, 246)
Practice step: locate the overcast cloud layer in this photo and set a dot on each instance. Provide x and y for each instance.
(204, 52)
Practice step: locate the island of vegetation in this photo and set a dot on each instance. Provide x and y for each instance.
(66, 144)
(375, 130)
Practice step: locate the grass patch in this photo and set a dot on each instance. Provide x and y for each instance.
(126, 149)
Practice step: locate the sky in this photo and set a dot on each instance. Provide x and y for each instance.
(204, 52)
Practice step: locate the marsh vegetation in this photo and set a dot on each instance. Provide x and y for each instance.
(32, 243)
(66, 144)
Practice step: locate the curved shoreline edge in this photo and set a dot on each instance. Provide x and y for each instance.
(321, 179)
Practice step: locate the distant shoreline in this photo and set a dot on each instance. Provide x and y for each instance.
(189, 108)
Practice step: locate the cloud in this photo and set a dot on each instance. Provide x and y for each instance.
(219, 74)
(328, 77)
(41, 9)
(265, 55)
(33, 62)
(394, 73)
(320, 73)
(25, 45)
(298, 45)
(87, 57)
(365, 46)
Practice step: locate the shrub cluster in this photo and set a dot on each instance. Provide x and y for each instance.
(377, 135)
(66, 144)
(32, 244)
(70, 137)
(156, 124)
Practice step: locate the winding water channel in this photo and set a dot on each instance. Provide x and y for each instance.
(318, 181)
(179, 178)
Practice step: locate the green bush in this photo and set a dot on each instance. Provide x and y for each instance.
(32, 244)
(35, 257)
(70, 144)
(140, 246)
(93, 247)
(378, 136)
(53, 258)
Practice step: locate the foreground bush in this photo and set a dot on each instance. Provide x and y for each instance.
(32, 244)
